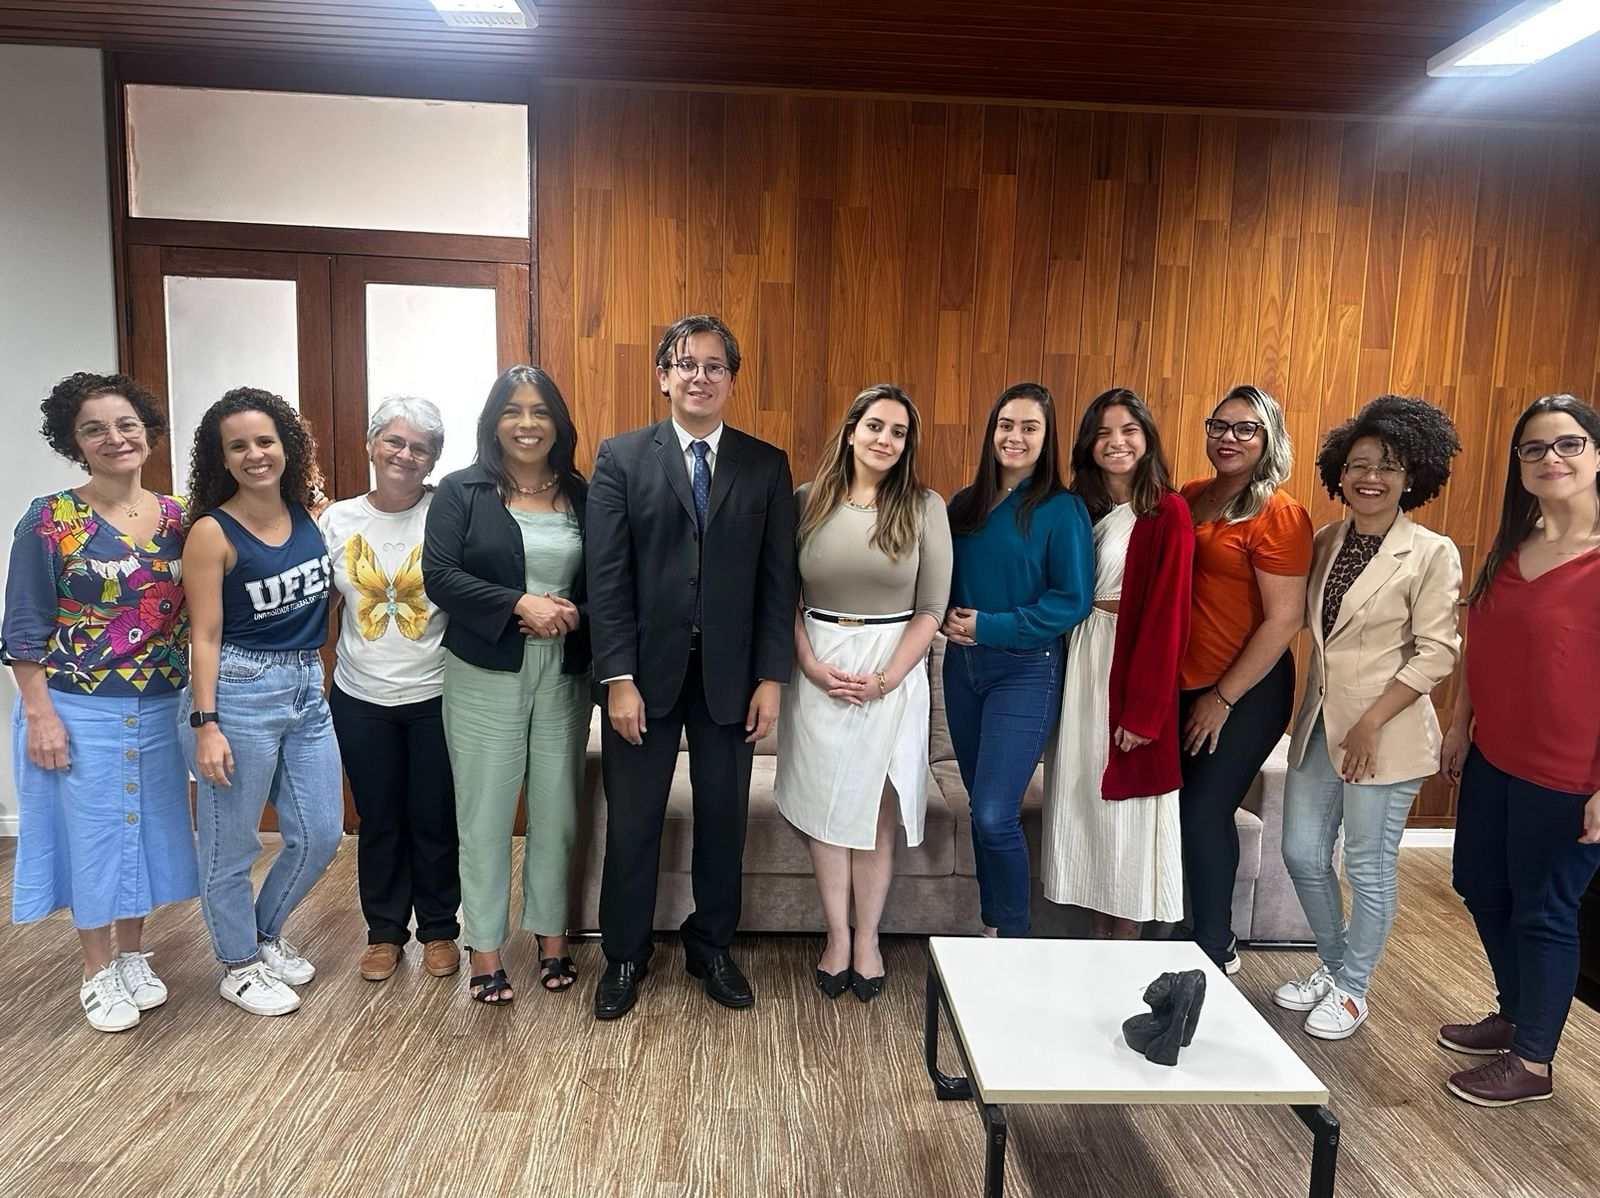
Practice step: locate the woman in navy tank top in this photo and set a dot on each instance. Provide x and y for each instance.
(255, 725)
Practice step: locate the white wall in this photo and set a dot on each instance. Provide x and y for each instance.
(57, 298)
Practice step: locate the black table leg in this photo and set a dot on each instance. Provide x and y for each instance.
(994, 1168)
(1325, 1147)
(945, 1087)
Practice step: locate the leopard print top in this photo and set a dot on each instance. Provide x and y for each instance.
(1358, 549)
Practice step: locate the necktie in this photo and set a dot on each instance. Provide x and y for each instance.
(702, 500)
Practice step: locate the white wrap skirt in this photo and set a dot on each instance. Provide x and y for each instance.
(833, 757)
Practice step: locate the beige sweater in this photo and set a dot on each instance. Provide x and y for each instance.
(840, 572)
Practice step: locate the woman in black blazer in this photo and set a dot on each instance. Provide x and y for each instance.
(503, 556)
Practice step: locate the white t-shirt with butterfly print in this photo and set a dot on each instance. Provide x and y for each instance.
(391, 638)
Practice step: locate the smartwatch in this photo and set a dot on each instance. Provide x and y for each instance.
(196, 718)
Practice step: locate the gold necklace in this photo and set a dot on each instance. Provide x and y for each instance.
(131, 510)
(861, 507)
(531, 491)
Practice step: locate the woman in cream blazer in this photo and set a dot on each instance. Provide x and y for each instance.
(1381, 606)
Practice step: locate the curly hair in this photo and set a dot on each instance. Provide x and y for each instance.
(61, 406)
(211, 484)
(1420, 438)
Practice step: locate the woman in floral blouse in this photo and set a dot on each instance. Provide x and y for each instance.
(94, 632)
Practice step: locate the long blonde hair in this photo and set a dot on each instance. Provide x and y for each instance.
(900, 494)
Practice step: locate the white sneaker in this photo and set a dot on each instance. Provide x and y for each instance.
(146, 990)
(1305, 993)
(106, 1001)
(1337, 1015)
(1231, 965)
(285, 961)
(258, 990)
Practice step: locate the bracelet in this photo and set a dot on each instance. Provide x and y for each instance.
(883, 684)
(1220, 699)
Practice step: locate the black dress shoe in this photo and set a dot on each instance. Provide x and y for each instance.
(618, 988)
(866, 989)
(724, 983)
(834, 984)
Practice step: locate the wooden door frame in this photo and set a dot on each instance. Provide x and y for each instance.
(149, 265)
(129, 233)
(351, 274)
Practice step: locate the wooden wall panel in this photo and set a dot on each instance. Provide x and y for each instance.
(956, 248)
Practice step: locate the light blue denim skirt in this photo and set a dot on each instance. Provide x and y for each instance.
(110, 837)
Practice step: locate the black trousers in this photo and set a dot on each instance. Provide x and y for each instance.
(1214, 784)
(638, 780)
(399, 771)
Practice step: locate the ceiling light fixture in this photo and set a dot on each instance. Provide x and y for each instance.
(1531, 31)
(488, 14)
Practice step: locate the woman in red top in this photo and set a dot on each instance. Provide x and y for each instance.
(1118, 739)
(1524, 745)
(1252, 555)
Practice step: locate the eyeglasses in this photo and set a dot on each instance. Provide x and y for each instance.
(1565, 447)
(687, 368)
(418, 450)
(130, 428)
(1371, 470)
(1242, 430)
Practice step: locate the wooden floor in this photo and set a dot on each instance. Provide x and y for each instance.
(404, 1089)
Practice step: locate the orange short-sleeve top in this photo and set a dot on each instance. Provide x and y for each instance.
(1225, 600)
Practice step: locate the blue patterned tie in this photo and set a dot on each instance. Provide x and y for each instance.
(702, 500)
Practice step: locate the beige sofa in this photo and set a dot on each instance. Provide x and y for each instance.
(935, 889)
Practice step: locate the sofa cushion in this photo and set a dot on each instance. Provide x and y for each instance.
(939, 746)
(948, 776)
(774, 846)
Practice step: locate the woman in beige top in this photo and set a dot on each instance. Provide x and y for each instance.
(874, 557)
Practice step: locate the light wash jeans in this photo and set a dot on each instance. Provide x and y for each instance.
(1315, 802)
(271, 709)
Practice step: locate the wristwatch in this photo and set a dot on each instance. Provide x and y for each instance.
(196, 718)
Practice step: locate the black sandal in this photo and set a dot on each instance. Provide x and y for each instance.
(557, 974)
(492, 989)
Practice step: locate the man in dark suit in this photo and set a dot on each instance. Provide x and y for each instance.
(692, 591)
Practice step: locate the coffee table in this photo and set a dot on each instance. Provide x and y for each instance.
(1040, 1021)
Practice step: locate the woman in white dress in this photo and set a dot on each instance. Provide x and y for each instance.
(1112, 841)
(874, 556)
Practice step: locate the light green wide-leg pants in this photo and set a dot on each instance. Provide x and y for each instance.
(507, 733)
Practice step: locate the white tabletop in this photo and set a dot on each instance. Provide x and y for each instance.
(1042, 1022)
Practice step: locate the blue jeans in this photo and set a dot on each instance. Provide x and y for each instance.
(1315, 802)
(1002, 705)
(1522, 873)
(271, 709)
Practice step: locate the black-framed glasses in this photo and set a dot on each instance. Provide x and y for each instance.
(127, 427)
(1242, 430)
(395, 444)
(1387, 470)
(1566, 447)
(687, 368)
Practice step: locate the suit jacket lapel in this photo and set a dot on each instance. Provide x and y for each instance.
(1319, 584)
(730, 456)
(1396, 545)
(670, 454)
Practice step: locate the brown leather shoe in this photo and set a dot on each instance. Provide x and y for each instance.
(1489, 1037)
(441, 958)
(380, 961)
(1504, 1081)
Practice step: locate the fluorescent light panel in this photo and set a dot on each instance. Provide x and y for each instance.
(1531, 31)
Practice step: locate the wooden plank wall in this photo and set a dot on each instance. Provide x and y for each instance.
(956, 248)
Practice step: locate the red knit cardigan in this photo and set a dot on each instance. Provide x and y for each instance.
(1152, 633)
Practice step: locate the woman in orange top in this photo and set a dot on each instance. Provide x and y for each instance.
(1252, 555)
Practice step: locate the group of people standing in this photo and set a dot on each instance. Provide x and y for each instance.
(1133, 634)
